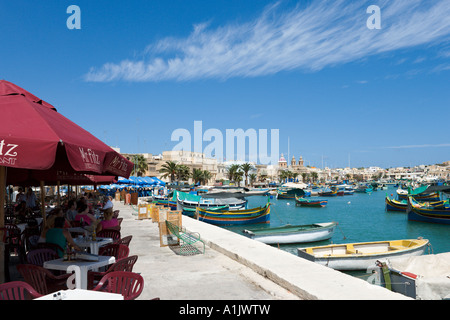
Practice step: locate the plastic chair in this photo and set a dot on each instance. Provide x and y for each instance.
(55, 247)
(128, 284)
(124, 264)
(17, 290)
(119, 251)
(39, 256)
(41, 279)
(125, 240)
(109, 233)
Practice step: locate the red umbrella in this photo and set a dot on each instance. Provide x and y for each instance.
(39, 144)
(35, 137)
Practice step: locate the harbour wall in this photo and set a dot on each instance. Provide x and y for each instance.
(306, 279)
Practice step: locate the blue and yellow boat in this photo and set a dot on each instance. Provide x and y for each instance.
(235, 217)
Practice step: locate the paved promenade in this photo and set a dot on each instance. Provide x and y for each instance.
(209, 276)
(234, 268)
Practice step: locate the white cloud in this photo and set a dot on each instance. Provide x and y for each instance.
(323, 34)
(443, 145)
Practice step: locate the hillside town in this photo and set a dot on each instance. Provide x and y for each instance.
(147, 164)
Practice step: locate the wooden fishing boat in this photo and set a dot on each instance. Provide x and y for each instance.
(417, 195)
(364, 189)
(293, 234)
(190, 204)
(316, 203)
(289, 193)
(420, 212)
(235, 217)
(328, 193)
(396, 205)
(402, 205)
(360, 256)
(423, 277)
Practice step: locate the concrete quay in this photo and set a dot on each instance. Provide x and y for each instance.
(234, 268)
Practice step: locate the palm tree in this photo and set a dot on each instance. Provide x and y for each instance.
(169, 169)
(231, 170)
(314, 176)
(183, 172)
(197, 175)
(305, 176)
(238, 177)
(246, 167)
(206, 175)
(140, 165)
(252, 177)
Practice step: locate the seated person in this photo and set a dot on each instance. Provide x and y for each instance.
(21, 210)
(72, 210)
(108, 204)
(83, 213)
(60, 236)
(57, 212)
(108, 221)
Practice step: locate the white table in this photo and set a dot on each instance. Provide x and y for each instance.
(91, 244)
(81, 268)
(80, 294)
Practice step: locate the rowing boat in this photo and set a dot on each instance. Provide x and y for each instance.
(317, 203)
(360, 256)
(293, 234)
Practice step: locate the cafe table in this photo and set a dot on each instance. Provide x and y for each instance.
(81, 268)
(93, 245)
(80, 294)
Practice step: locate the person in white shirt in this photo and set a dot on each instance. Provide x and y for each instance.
(108, 204)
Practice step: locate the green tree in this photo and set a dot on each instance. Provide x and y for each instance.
(206, 175)
(246, 168)
(197, 175)
(183, 172)
(140, 165)
(232, 170)
(169, 169)
(252, 177)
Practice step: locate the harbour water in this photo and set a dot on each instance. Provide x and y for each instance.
(361, 218)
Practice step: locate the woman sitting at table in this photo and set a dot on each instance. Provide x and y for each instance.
(60, 236)
(108, 221)
(83, 213)
(21, 211)
(58, 212)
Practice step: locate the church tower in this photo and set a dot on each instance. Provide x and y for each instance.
(282, 163)
(300, 162)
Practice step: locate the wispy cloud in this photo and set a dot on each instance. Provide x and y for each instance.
(421, 146)
(323, 34)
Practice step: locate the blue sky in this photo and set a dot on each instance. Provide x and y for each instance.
(138, 70)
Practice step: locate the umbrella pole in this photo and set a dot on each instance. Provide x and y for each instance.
(59, 195)
(2, 222)
(44, 216)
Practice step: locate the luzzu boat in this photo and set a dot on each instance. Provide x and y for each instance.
(360, 256)
(402, 205)
(425, 213)
(234, 217)
(317, 203)
(293, 234)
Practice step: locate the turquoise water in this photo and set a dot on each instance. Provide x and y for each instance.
(361, 217)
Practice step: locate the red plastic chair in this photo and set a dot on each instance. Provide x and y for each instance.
(109, 233)
(119, 251)
(39, 256)
(124, 264)
(125, 240)
(41, 279)
(128, 284)
(17, 290)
